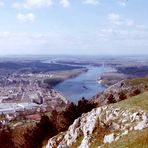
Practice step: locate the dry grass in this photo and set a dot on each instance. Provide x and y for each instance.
(78, 142)
(98, 136)
(135, 139)
(138, 81)
(136, 102)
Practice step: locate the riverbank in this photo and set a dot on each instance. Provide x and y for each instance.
(123, 72)
(57, 77)
(84, 85)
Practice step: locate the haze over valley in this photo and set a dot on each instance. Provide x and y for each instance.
(73, 74)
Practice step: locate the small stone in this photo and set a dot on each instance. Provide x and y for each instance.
(109, 138)
(140, 126)
(115, 126)
(125, 132)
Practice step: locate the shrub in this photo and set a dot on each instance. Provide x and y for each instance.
(111, 99)
(136, 92)
(122, 95)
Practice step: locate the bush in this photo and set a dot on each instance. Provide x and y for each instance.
(122, 95)
(111, 99)
(136, 92)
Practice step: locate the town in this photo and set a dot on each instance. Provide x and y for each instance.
(26, 94)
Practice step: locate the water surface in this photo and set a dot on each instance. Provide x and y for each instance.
(84, 85)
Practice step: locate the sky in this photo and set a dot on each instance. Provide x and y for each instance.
(73, 27)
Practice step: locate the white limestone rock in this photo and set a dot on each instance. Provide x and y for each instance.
(118, 121)
(109, 138)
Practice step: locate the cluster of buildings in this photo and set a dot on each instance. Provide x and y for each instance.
(26, 92)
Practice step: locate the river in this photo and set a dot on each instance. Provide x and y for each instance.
(84, 85)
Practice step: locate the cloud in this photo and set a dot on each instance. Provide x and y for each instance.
(65, 3)
(91, 2)
(122, 2)
(121, 28)
(118, 20)
(17, 5)
(28, 17)
(115, 18)
(50, 43)
(22, 43)
(106, 41)
(28, 4)
(2, 3)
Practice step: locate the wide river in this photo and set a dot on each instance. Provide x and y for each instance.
(84, 85)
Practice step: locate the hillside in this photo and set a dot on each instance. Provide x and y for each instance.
(121, 124)
(121, 91)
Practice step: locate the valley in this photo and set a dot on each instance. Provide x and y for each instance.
(61, 95)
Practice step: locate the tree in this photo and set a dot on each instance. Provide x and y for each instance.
(85, 106)
(44, 129)
(64, 119)
(6, 140)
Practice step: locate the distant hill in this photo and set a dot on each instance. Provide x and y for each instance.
(33, 67)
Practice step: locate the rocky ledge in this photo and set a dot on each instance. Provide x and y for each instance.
(100, 126)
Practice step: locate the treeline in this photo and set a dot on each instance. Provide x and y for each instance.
(48, 127)
(33, 67)
(140, 71)
(52, 82)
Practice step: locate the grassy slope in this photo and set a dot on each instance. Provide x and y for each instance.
(136, 102)
(135, 139)
(138, 81)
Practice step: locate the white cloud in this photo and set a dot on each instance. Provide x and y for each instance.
(122, 2)
(121, 28)
(91, 2)
(28, 4)
(65, 3)
(118, 20)
(2, 3)
(16, 5)
(115, 18)
(26, 17)
(50, 43)
(37, 3)
(107, 40)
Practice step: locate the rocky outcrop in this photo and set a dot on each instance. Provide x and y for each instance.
(118, 92)
(114, 122)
